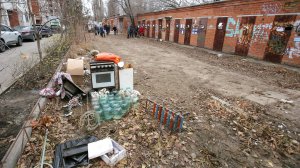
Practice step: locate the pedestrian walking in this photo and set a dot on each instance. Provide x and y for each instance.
(96, 29)
(115, 29)
(128, 32)
(108, 29)
(136, 31)
(102, 31)
(141, 31)
(132, 30)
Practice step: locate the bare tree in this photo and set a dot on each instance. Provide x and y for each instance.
(29, 5)
(126, 6)
(156, 5)
(98, 9)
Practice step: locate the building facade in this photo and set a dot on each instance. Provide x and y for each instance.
(15, 14)
(262, 29)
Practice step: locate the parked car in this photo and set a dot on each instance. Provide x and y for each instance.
(45, 32)
(55, 29)
(27, 32)
(8, 37)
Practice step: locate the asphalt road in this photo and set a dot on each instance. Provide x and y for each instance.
(16, 60)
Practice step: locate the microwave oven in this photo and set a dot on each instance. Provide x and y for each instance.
(103, 75)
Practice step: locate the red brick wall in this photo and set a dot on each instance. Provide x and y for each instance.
(210, 33)
(234, 10)
(36, 11)
(181, 35)
(13, 18)
(35, 7)
(292, 56)
(194, 37)
(260, 37)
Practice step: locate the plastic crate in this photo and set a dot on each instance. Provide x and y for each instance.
(115, 158)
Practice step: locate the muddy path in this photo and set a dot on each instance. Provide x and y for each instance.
(190, 77)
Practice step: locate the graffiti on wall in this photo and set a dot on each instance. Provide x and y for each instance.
(277, 43)
(297, 27)
(245, 35)
(195, 27)
(279, 37)
(232, 27)
(271, 8)
(261, 33)
(182, 29)
(293, 52)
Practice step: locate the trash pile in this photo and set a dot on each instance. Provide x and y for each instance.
(79, 152)
(109, 95)
(104, 118)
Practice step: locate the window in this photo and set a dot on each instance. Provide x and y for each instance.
(4, 28)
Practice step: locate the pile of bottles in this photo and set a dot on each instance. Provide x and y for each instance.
(113, 105)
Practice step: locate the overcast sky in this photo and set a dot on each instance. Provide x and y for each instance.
(88, 4)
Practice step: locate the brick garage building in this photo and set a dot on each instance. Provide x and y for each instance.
(13, 17)
(122, 23)
(263, 29)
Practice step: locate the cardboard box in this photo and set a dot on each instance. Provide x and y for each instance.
(75, 67)
(111, 161)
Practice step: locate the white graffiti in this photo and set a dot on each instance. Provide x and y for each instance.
(294, 51)
(261, 33)
(297, 26)
(270, 8)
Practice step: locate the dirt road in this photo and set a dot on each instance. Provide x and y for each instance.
(193, 78)
(185, 69)
(241, 112)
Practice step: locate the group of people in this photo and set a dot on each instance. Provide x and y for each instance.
(132, 31)
(104, 30)
(135, 31)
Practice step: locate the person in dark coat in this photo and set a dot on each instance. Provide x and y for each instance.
(107, 29)
(102, 32)
(96, 29)
(136, 30)
(128, 31)
(132, 30)
(115, 29)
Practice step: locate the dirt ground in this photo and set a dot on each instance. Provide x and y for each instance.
(15, 106)
(17, 102)
(242, 112)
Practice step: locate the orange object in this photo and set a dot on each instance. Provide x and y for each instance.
(108, 57)
(166, 116)
(153, 110)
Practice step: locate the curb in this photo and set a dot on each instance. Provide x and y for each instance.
(15, 150)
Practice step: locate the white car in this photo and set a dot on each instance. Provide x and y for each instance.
(8, 37)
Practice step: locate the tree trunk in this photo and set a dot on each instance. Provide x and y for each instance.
(38, 42)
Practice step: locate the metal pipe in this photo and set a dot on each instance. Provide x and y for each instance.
(44, 149)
